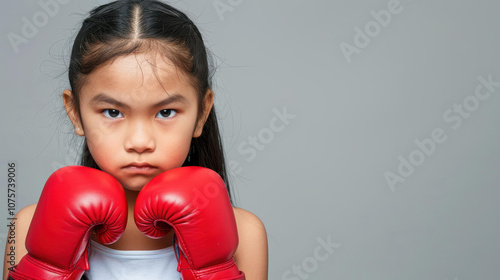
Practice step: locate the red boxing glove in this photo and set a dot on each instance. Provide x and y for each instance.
(194, 202)
(75, 200)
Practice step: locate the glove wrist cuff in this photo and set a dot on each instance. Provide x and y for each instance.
(29, 268)
(223, 271)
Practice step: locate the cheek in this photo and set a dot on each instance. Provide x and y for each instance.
(94, 138)
(176, 146)
(101, 148)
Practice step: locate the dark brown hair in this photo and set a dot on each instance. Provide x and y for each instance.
(124, 27)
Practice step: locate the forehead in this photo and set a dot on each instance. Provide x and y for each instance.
(140, 76)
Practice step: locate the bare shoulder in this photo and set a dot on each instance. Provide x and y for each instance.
(27, 211)
(252, 253)
(18, 229)
(248, 221)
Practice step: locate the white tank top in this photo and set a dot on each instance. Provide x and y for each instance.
(110, 264)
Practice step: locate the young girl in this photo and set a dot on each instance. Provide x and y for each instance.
(141, 96)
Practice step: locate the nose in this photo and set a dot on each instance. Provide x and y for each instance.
(140, 137)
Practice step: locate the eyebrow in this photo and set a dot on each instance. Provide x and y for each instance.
(104, 98)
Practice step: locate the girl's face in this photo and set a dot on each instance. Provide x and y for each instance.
(138, 119)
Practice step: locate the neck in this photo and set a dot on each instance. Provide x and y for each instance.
(131, 198)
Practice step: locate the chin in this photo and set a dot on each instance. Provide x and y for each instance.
(136, 186)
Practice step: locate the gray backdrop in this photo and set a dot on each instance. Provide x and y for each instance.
(364, 134)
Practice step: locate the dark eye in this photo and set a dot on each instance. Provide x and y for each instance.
(112, 113)
(166, 113)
